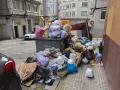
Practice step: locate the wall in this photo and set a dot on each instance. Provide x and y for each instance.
(112, 45)
(20, 21)
(98, 29)
(3, 7)
(5, 31)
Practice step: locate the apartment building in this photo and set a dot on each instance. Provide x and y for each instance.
(75, 10)
(18, 17)
(52, 8)
(48, 11)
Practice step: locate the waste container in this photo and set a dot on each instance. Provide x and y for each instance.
(43, 43)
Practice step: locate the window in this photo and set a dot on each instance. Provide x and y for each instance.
(103, 14)
(73, 5)
(28, 7)
(83, 13)
(84, 4)
(23, 5)
(70, 13)
(66, 14)
(41, 12)
(67, 6)
(70, 6)
(64, 7)
(15, 4)
(73, 13)
(18, 4)
(35, 8)
(60, 7)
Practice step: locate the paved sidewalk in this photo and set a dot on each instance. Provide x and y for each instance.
(80, 82)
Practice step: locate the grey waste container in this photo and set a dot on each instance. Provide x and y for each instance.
(43, 43)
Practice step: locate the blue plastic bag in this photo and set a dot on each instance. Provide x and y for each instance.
(99, 56)
(72, 68)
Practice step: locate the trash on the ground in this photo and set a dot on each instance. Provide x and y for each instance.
(83, 39)
(89, 54)
(55, 77)
(75, 39)
(85, 60)
(49, 81)
(30, 60)
(62, 73)
(98, 56)
(27, 72)
(94, 62)
(42, 59)
(71, 66)
(52, 64)
(72, 56)
(78, 47)
(89, 73)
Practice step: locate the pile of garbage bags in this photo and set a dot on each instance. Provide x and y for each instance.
(90, 49)
(51, 64)
(54, 30)
(91, 52)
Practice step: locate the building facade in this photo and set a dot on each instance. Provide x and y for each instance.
(99, 16)
(48, 11)
(42, 13)
(18, 17)
(52, 8)
(75, 10)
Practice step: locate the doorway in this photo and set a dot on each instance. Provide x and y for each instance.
(24, 30)
(29, 26)
(16, 32)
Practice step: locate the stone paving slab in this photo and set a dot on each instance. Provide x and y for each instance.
(34, 87)
(80, 82)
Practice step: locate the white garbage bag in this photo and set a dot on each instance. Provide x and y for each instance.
(73, 56)
(89, 73)
(71, 61)
(85, 60)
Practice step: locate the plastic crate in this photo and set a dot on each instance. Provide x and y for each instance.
(41, 44)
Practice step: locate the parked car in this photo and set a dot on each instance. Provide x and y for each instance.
(29, 36)
(9, 78)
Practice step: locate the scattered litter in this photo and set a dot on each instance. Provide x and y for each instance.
(89, 73)
(52, 64)
(71, 66)
(85, 60)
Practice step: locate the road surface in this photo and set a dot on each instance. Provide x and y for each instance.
(18, 49)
